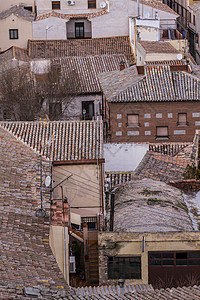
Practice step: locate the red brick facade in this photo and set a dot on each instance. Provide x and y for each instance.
(150, 116)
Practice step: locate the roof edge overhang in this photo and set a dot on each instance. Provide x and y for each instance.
(78, 162)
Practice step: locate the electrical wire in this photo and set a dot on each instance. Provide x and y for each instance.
(80, 182)
(92, 195)
(81, 177)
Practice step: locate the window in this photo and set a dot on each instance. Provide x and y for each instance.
(174, 258)
(194, 20)
(29, 8)
(79, 30)
(91, 3)
(124, 267)
(55, 4)
(6, 115)
(190, 17)
(197, 38)
(13, 33)
(87, 110)
(55, 109)
(182, 119)
(162, 132)
(55, 73)
(133, 120)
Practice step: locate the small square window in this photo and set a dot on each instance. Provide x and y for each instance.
(182, 119)
(133, 120)
(13, 33)
(162, 132)
(91, 3)
(55, 4)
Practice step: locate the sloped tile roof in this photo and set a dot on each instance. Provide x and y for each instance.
(158, 5)
(71, 16)
(112, 290)
(25, 255)
(158, 84)
(158, 47)
(61, 140)
(85, 47)
(115, 82)
(164, 167)
(157, 211)
(19, 12)
(89, 67)
(165, 62)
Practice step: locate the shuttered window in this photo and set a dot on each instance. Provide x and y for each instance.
(162, 131)
(133, 120)
(182, 119)
(91, 3)
(55, 4)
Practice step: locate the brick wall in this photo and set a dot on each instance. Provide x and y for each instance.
(20, 176)
(152, 115)
(187, 185)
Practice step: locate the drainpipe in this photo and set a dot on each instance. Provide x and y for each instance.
(112, 204)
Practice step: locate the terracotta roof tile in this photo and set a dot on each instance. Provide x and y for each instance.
(158, 47)
(89, 67)
(19, 12)
(85, 47)
(165, 62)
(60, 140)
(158, 84)
(71, 16)
(158, 5)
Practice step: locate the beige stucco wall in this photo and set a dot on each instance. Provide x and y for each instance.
(81, 6)
(25, 32)
(6, 4)
(56, 241)
(82, 188)
(50, 29)
(142, 56)
(130, 244)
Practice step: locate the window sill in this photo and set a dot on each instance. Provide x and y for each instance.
(162, 137)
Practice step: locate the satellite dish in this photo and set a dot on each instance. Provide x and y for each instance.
(179, 56)
(102, 4)
(47, 181)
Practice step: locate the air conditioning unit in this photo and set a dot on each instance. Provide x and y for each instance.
(70, 2)
(72, 264)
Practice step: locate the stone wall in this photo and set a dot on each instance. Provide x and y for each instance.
(130, 244)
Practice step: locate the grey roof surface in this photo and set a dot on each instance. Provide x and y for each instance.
(89, 67)
(150, 206)
(60, 140)
(158, 84)
(26, 258)
(19, 12)
(112, 83)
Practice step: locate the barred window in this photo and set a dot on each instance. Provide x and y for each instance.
(124, 267)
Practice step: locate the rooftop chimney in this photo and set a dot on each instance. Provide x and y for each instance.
(122, 65)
